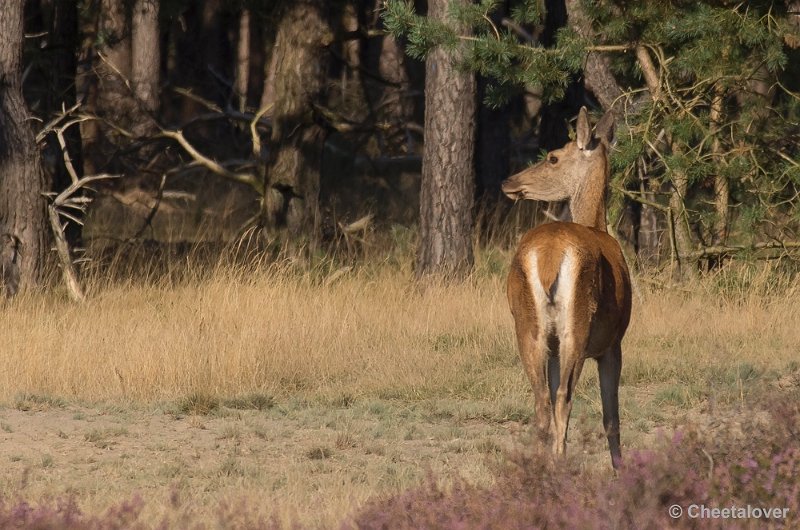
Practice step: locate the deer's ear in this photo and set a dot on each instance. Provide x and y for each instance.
(604, 130)
(583, 133)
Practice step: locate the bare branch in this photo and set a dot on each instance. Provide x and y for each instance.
(256, 138)
(151, 215)
(213, 166)
(50, 126)
(63, 143)
(638, 198)
(62, 247)
(722, 250)
(651, 76)
(210, 105)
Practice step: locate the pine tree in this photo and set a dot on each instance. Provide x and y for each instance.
(709, 104)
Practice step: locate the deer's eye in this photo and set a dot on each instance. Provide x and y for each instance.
(553, 159)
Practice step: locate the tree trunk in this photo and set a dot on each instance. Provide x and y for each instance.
(351, 49)
(647, 247)
(270, 70)
(597, 75)
(108, 93)
(145, 73)
(448, 175)
(679, 222)
(721, 186)
(394, 107)
(146, 52)
(293, 173)
(683, 238)
(23, 217)
(387, 94)
(243, 59)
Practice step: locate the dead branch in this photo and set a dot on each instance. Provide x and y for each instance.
(651, 76)
(213, 166)
(55, 210)
(51, 125)
(723, 250)
(152, 213)
(256, 138)
(638, 198)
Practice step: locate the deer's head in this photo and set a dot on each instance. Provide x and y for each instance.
(577, 172)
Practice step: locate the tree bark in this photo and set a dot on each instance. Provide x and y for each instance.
(647, 246)
(683, 238)
(293, 173)
(270, 70)
(721, 187)
(243, 59)
(448, 175)
(351, 48)
(597, 75)
(23, 217)
(146, 52)
(388, 95)
(108, 94)
(394, 108)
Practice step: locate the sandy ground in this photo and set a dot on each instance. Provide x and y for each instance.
(311, 465)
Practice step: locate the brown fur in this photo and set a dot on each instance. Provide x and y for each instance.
(586, 306)
(606, 300)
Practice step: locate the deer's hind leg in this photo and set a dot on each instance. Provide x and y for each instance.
(609, 368)
(534, 355)
(571, 359)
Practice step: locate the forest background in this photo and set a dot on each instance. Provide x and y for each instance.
(253, 259)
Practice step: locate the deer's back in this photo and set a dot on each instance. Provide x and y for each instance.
(574, 272)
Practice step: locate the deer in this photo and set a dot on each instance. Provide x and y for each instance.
(568, 288)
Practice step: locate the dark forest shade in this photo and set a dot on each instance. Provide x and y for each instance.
(705, 96)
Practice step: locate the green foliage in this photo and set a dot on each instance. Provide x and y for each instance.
(528, 12)
(399, 17)
(745, 56)
(482, 45)
(702, 51)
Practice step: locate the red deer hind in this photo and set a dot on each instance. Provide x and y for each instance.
(568, 287)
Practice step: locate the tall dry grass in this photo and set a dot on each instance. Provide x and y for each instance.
(277, 331)
(365, 332)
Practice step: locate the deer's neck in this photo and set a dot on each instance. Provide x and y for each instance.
(588, 203)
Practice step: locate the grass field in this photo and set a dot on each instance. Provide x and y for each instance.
(303, 393)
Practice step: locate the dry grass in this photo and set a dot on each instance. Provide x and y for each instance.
(356, 334)
(311, 390)
(274, 332)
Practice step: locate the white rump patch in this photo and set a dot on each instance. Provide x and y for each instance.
(565, 295)
(554, 316)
